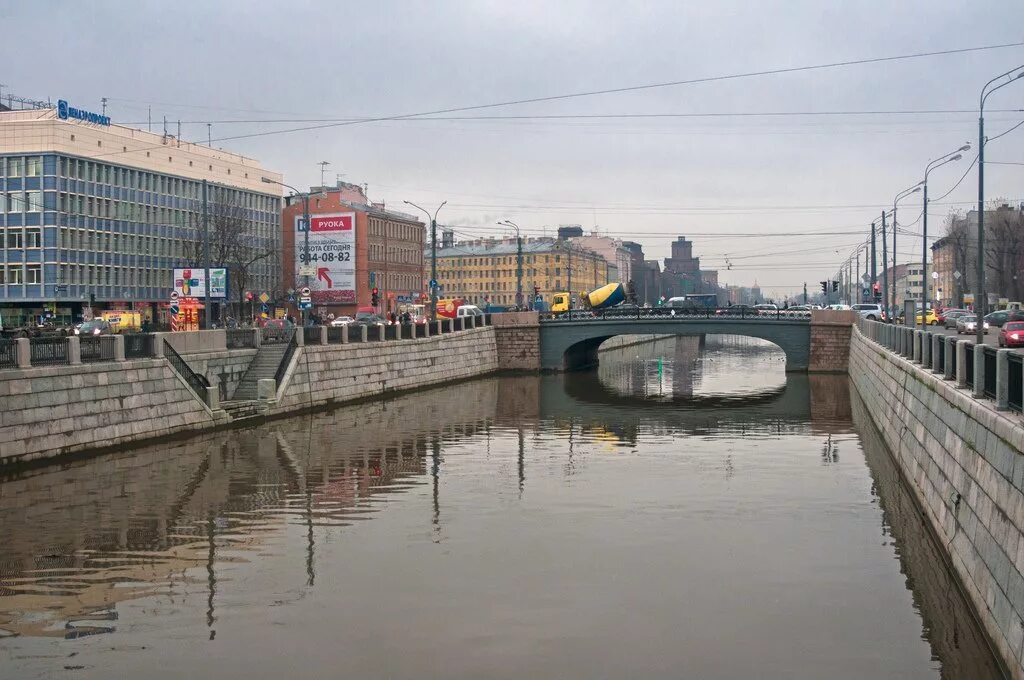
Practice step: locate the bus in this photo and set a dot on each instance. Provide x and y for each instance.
(694, 301)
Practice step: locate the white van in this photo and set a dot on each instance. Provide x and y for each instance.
(468, 310)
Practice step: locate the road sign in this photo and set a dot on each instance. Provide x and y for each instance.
(174, 295)
(373, 279)
(264, 308)
(291, 291)
(264, 298)
(433, 283)
(304, 291)
(957, 275)
(306, 305)
(307, 270)
(173, 309)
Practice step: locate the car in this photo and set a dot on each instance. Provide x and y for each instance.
(1012, 334)
(341, 321)
(468, 310)
(766, 306)
(871, 312)
(839, 308)
(968, 323)
(998, 318)
(948, 317)
(368, 319)
(94, 327)
(929, 316)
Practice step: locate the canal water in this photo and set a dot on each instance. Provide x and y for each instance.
(685, 510)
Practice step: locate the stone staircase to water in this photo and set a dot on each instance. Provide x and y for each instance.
(264, 365)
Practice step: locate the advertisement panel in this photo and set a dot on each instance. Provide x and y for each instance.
(332, 257)
(190, 282)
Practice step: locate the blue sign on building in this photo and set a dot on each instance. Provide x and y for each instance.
(64, 112)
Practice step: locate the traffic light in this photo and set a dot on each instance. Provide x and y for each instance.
(835, 286)
(877, 292)
(824, 287)
(375, 297)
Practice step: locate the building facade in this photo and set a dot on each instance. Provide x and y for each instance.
(483, 271)
(96, 216)
(613, 251)
(681, 274)
(388, 251)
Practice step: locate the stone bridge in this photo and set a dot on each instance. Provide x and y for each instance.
(818, 342)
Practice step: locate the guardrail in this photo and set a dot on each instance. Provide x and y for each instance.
(678, 314)
(988, 372)
(139, 345)
(240, 338)
(96, 348)
(8, 353)
(49, 351)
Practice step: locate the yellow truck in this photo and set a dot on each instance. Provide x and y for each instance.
(601, 298)
(122, 320)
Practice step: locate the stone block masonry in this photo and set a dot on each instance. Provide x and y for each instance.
(56, 410)
(964, 462)
(517, 338)
(830, 341)
(321, 375)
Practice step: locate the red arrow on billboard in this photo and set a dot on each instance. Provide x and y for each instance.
(321, 273)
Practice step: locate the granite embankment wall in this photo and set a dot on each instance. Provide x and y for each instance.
(964, 462)
(326, 374)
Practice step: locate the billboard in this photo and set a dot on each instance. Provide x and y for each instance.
(191, 282)
(332, 257)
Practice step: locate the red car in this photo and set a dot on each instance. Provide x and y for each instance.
(1012, 334)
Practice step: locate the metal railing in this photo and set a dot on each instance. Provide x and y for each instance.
(969, 368)
(96, 348)
(52, 351)
(678, 314)
(391, 332)
(138, 345)
(197, 382)
(355, 332)
(989, 375)
(375, 332)
(335, 334)
(8, 353)
(286, 359)
(240, 338)
(1015, 382)
(276, 336)
(311, 335)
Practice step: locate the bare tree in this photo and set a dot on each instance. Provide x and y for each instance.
(957, 240)
(1004, 249)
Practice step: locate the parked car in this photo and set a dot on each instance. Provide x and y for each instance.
(968, 323)
(997, 319)
(94, 327)
(341, 321)
(369, 319)
(1012, 334)
(468, 310)
(929, 317)
(871, 312)
(766, 307)
(948, 317)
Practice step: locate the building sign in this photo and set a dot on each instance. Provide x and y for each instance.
(332, 253)
(65, 112)
(190, 282)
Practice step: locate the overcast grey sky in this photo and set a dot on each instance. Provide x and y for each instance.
(649, 179)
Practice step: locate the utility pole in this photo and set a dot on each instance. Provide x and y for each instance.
(874, 255)
(885, 268)
(433, 253)
(805, 292)
(857, 283)
(207, 312)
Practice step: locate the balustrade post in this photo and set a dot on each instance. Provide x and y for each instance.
(1002, 380)
(915, 349)
(323, 335)
(118, 347)
(24, 353)
(979, 372)
(158, 345)
(948, 372)
(426, 330)
(936, 352)
(961, 363)
(257, 337)
(74, 350)
(300, 337)
(364, 333)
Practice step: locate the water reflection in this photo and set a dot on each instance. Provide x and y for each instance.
(555, 526)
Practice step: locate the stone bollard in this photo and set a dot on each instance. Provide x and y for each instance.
(426, 330)
(936, 352)
(257, 337)
(344, 335)
(437, 327)
(978, 390)
(364, 333)
(451, 325)
(300, 337)
(323, 335)
(916, 348)
(24, 353)
(266, 389)
(961, 363)
(118, 347)
(926, 350)
(472, 321)
(158, 345)
(213, 392)
(1002, 380)
(74, 350)
(948, 372)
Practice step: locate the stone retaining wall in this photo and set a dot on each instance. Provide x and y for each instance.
(517, 335)
(964, 462)
(830, 340)
(227, 366)
(55, 410)
(327, 374)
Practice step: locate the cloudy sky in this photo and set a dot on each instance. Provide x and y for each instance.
(718, 179)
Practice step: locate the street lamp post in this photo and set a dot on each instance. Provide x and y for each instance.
(938, 162)
(519, 262)
(433, 254)
(899, 197)
(982, 297)
(305, 221)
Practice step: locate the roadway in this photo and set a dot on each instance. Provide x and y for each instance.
(991, 336)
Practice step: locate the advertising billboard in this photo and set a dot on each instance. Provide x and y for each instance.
(190, 282)
(331, 260)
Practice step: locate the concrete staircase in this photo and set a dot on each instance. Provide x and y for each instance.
(264, 365)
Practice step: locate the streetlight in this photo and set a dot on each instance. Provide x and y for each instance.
(305, 220)
(433, 254)
(519, 262)
(899, 197)
(982, 297)
(938, 162)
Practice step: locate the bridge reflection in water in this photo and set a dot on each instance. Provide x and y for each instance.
(527, 525)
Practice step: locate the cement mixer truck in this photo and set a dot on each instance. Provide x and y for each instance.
(599, 299)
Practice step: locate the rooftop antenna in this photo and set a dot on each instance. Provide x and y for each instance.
(104, 101)
(150, 118)
(179, 133)
(323, 166)
(209, 135)
(165, 128)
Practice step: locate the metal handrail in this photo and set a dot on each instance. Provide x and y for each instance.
(241, 338)
(8, 353)
(1015, 382)
(48, 351)
(138, 345)
(286, 360)
(678, 314)
(197, 382)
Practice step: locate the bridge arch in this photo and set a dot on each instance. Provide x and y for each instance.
(572, 345)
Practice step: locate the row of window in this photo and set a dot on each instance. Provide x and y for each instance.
(395, 230)
(21, 166)
(16, 274)
(490, 274)
(398, 282)
(31, 237)
(395, 254)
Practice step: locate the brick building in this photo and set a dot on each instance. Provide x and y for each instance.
(387, 252)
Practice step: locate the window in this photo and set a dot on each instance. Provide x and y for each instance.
(34, 166)
(33, 201)
(15, 167)
(15, 238)
(34, 273)
(33, 238)
(14, 275)
(3, 275)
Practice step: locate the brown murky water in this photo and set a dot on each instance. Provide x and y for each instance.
(684, 511)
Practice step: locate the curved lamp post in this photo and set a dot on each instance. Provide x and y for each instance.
(899, 197)
(433, 254)
(519, 261)
(938, 162)
(305, 218)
